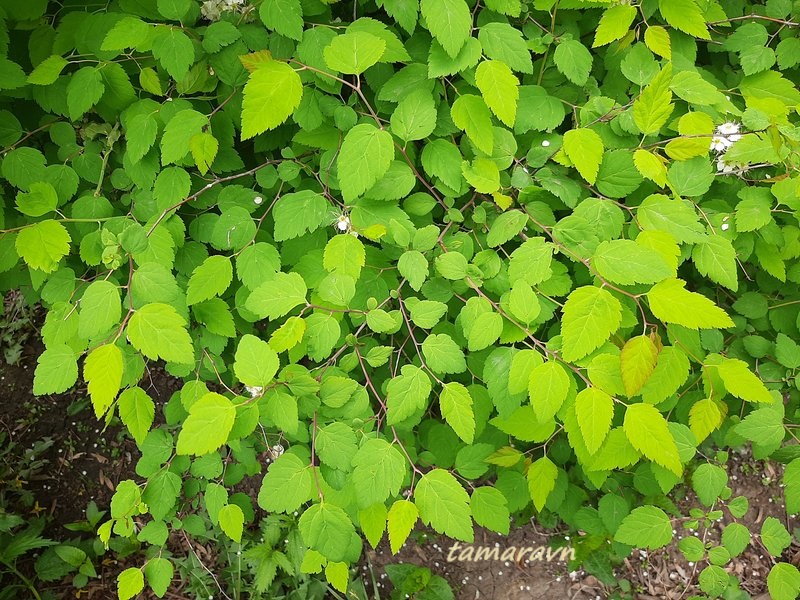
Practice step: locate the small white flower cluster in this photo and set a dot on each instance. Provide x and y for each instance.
(254, 390)
(724, 137)
(213, 9)
(344, 225)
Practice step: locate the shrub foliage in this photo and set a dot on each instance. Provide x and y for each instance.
(436, 260)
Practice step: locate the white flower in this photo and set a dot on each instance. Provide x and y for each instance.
(258, 199)
(211, 10)
(728, 128)
(343, 223)
(254, 390)
(546, 143)
(720, 144)
(724, 227)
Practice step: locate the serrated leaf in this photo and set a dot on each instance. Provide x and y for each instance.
(130, 583)
(84, 90)
(272, 93)
(136, 410)
(354, 52)
(364, 158)
(443, 355)
(637, 363)
(231, 521)
(159, 572)
(455, 403)
(741, 382)
(56, 370)
(326, 528)
(378, 471)
(645, 527)
(573, 60)
(277, 296)
(101, 309)
(207, 427)
(400, 521)
(449, 22)
(499, 88)
(444, 504)
(684, 15)
(542, 475)
(594, 410)
(284, 17)
(614, 24)
(653, 107)
(647, 431)
(490, 509)
(625, 262)
(158, 331)
(590, 316)
(548, 386)
(43, 244)
(672, 303)
(211, 278)
(471, 115)
(287, 485)
(103, 372)
(715, 257)
(585, 149)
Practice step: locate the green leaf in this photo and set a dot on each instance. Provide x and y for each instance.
(344, 254)
(415, 116)
(482, 174)
(455, 403)
(158, 331)
(471, 115)
(774, 536)
(506, 227)
(326, 528)
(574, 61)
(653, 107)
(284, 17)
(614, 24)
(741, 382)
(140, 135)
(43, 244)
(103, 372)
(585, 149)
(523, 302)
(505, 43)
(378, 471)
(137, 410)
(101, 309)
(674, 216)
(708, 482)
(542, 475)
(484, 331)
(442, 354)
(354, 52)
(211, 278)
(407, 393)
(373, 523)
(452, 265)
(645, 527)
(684, 15)
(231, 521)
(40, 200)
(400, 521)
(499, 88)
(449, 22)
(548, 386)
(735, 538)
(531, 262)
(594, 410)
(625, 262)
(130, 583)
(174, 50)
(590, 316)
(180, 129)
(672, 303)
(537, 110)
(364, 158)
(207, 427)
(490, 509)
(671, 371)
(272, 93)
(787, 351)
(444, 504)
(336, 445)
(47, 71)
(84, 90)
(637, 363)
(299, 213)
(159, 572)
(128, 32)
(204, 148)
(414, 267)
(277, 296)
(256, 362)
(287, 485)
(56, 370)
(783, 581)
(647, 431)
(715, 258)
